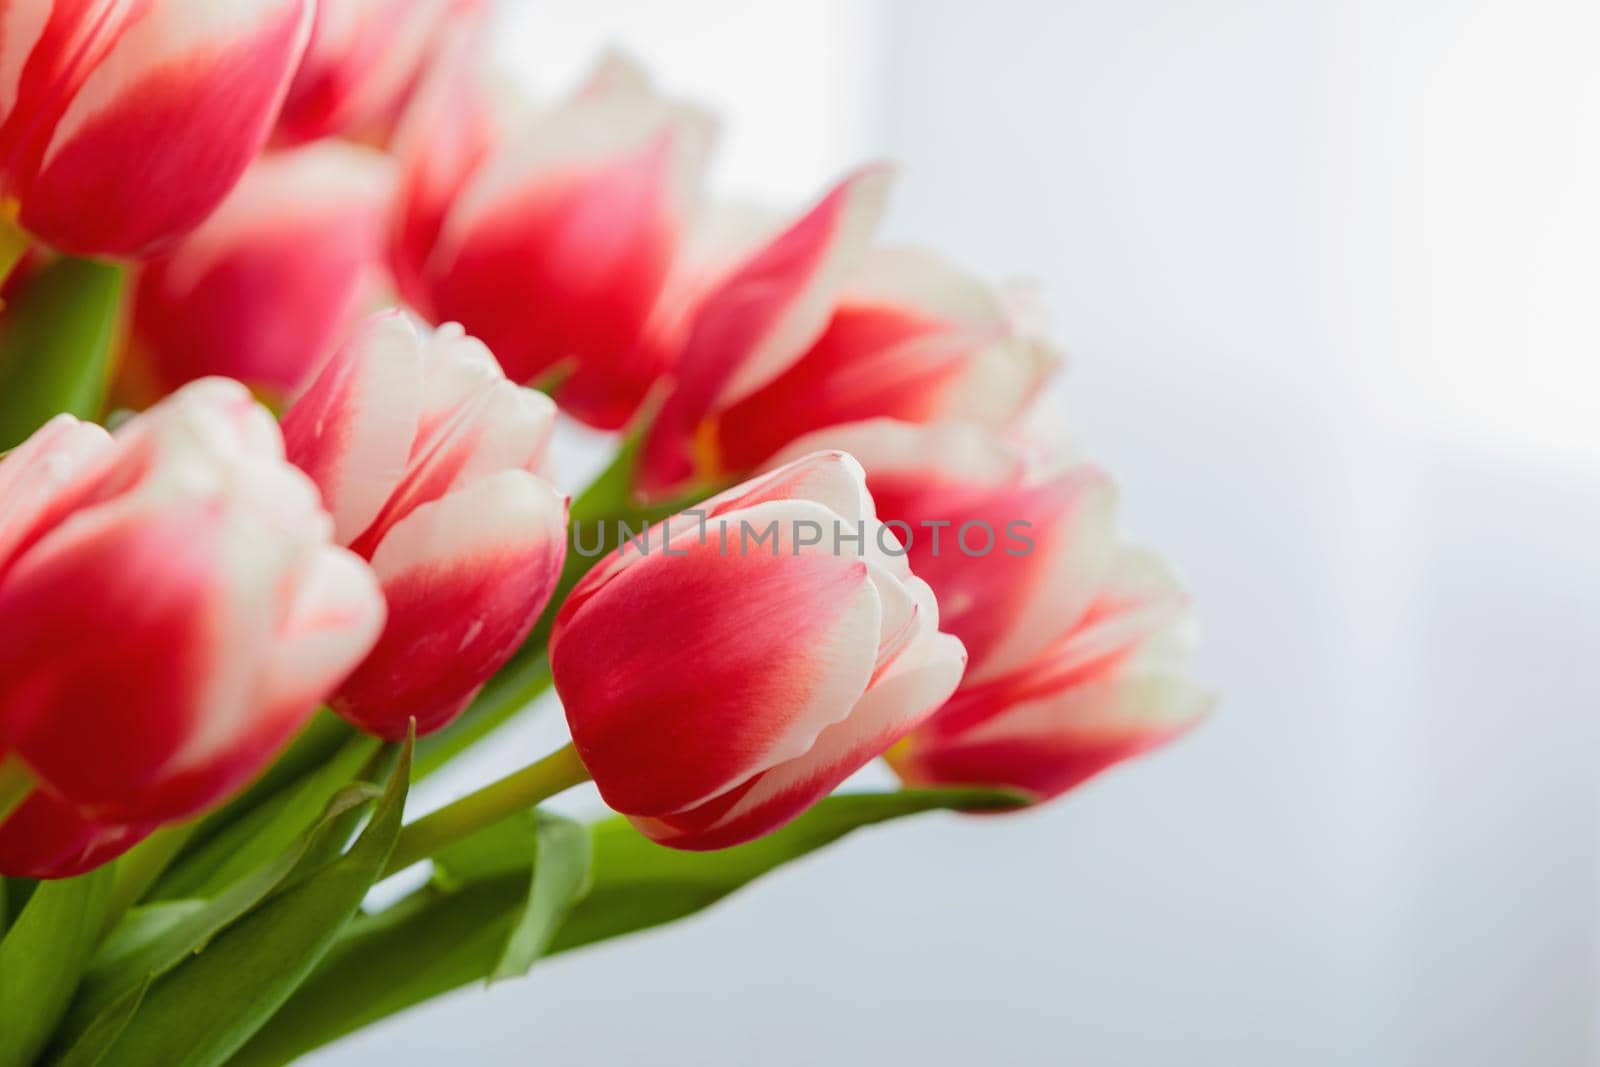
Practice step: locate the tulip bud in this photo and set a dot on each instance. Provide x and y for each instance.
(266, 287)
(815, 330)
(123, 125)
(364, 59)
(724, 676)
(171, 595)
(1079, 642)
(555, 248)
(428, 460)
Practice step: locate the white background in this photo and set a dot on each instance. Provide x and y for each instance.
(1328, 272)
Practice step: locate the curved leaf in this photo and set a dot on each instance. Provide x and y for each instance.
(97, 1040)
(200, 1013)
(562, 875)
(42, 960)
(454, 932)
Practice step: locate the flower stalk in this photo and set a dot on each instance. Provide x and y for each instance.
(527, 788)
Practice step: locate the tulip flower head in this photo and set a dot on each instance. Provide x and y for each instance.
(172, 610)
(816, 329)
(429, 461)
(270, 283)
(1079, 642)
(553, 242)
(767, 646)
(124, 123)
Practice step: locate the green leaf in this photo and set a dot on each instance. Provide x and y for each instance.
(454, 932)
(562, 870)
(97, 1040)
(55, 347)
(158, 937)
(639, 884)
(42, 959)
(200, 1013)
(256, 838)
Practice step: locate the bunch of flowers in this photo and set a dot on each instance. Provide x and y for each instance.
(295, 298)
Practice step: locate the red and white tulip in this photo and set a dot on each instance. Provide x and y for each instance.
(717, 687)
(124, 123)
(364, 60)
(268, 285)
(552, 243)
(429, 461)
(1079, 643)
(817, 329)
(172, 610)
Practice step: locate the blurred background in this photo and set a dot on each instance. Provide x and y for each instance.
(1328, 276)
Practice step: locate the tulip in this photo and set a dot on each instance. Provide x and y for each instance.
(1079, 642)
(172, 610)
(427, 458)
(364, 59)
(765, 649)
(266, 287)
(816, 330)
(555, 245)
(123, 125)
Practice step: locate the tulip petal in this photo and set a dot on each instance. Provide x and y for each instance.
(45, 838)
(559, 247)
(353, 430)
(465, 577)
(730, 661)
(184, 99)
(263, 290)
(125, 591)
(1056, 743)
(33, 475)
(442, 138)
(893, 707)
(474, 422)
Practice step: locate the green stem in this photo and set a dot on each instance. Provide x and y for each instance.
(534, 784)
(141, 866)
(16, 782)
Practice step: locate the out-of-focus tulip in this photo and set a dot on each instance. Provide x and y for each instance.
(815, 330)
(172, 609)
(722, 678)
(265, 288)
(124, 124)
(364, 60)
(427, 458)
(556, 240)
(1079, 642)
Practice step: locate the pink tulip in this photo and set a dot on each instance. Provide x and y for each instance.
(816, 330)
(555, 243)
(123, 123)
(266, 287)
(172, 610)
(364, 60)
(721, 679)
(1079, 643)
(428, 459)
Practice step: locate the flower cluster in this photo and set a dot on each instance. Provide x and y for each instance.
(365, 282)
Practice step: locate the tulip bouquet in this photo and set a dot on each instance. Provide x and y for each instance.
(295, 298)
